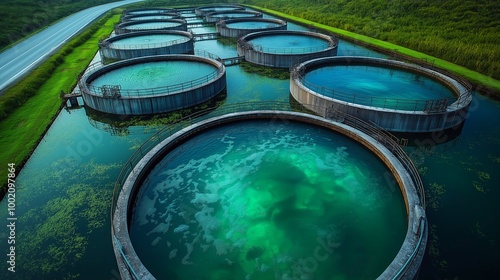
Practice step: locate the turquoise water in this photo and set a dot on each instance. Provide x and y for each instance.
(289, 43)
(375, 86)
(64, 190)
(219, 9)
(147, 12)
(234, 15)
(233, 203)
(145, 41)
(202, 30)
(152, 75)
(252, 25)
(154, 17)
(152, 25)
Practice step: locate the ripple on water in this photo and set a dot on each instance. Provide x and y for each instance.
(255, 205)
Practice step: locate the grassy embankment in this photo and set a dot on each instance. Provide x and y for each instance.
(471, 75)
(21, 18)
(22, 129)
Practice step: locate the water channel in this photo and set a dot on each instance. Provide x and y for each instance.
(65, 189)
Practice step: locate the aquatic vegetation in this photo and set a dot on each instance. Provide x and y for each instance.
(434, 194)
(483, 176)
(63, 236)
(478, 187)
(478, 230)
(276, 73)
(433, 249)
(71, 202)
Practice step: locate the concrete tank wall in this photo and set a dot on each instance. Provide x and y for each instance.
(132, 17)
(147, 11)
(280, 60)
(236, 32)
(216, 16)
(159, 102)
(181, 47)
(405, 264)
(388, 119)
(122, 27)
(203, 10)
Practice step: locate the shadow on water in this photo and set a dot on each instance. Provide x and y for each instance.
(120, 124)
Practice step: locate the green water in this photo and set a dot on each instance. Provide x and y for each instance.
(155, 74)
(64, 191)
(252, 25)
(262, 205)
(375, 86)
(144, 41)
(289, 43)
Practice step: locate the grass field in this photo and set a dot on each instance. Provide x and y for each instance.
(473, 76)
(21, 130)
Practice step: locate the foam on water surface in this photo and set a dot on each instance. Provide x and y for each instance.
(155, 74)
(152, 25)
(153, 40)
(256, 200)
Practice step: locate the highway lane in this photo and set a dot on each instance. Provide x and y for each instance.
(18, 60)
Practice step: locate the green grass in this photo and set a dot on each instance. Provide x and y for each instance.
(22, 129)
(473, 76)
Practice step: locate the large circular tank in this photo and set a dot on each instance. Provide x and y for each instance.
(283, 49)
(396, 96)
(236, 28)
(269, 195)
(141, 11)
(216, 16)
(153, 84)
(150, 25)
(146, 43)
(203, 10)
(150, 16)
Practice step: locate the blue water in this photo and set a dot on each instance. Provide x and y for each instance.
(152, 25)
(147, 12)
(375, 86)
(249, 24)
(148, 41)
(234, 15)
(154, 17)
(64, 190)
(152, 75)
(289, 43)
(231, 201)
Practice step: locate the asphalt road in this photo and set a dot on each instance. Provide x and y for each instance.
(18, 60)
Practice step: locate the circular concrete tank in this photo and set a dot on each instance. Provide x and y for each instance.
(283, 49)
(153, 84)
(203, 10)
(217, 16)
(150, 25)
(141, 11)
(146, 43)
(395, 95)
(236, 28)
(194, 219)
(150, 16)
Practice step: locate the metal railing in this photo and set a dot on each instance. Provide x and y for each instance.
(116, 46)
(383, 137)
(461, 97)
(401, 273)
(170, 89)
